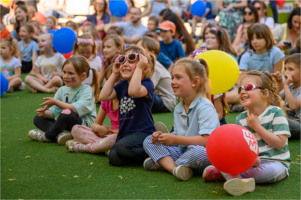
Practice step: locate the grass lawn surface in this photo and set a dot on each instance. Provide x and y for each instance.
(33, 170)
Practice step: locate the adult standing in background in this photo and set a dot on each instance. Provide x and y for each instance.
(288, 32)
(230, 15)
(133, 29)
(52, 7)
(100, 17)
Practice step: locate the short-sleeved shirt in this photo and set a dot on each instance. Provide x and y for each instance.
(135, 114)
(162, 83)
(49, 65)
(269, 21)
(296, 94)
(164, 60)
(8, 69)
(129, 30)
(8, 19)
(173, 51)
(94, 63)
(200, 119)
(81, 98)
(112, 114)
(273, 120)
(26, 52)
(275, 56)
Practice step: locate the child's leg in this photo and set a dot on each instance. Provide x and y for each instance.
(94, 144)
(54, 82)
(294, 128)
(275, 11)
(36, 83)
(16, 82)
(195, 157)
(158, 106)
(43, 123)
(65, 121)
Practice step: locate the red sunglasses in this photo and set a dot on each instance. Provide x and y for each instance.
(249, 87)
(131, 57)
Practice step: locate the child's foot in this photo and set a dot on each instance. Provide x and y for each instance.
(161, 127)
(37, 135)
(63, 137)
(239, 186)
(32, 90)
(74, 146)
(10, 89)
(182, 172)
(210, 173)
(150, 165)
(53, 90)
(107, 152)
(22, 86)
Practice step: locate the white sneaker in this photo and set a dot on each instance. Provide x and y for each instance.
(237, 186)
(22, 86)
(63, 137)
(182, 172)
(37, 135)
(161, 127)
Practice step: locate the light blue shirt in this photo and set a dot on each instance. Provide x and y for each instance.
(200, 119)
(275, 56)
(81, 98)
(129, 30)
(26, 52)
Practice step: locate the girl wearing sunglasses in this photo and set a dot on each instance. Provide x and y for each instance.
(136, 96)
(265, 119)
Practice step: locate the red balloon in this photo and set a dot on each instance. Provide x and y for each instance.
(68, 55)
(232, 149)
(280, 3)
(39, 17)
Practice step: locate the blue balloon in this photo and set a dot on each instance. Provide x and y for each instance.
(118, 8)
(63, 40)
(4, 85)
(52, 31)
(198, 8)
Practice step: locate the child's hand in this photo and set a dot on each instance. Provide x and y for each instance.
(257, 163)
(155, 137)
(166, 139)
(288, 79)
(40, 112)
(46, 80)
(116, 68)
(278, 76)
(49, 103)
(142, 63)
(253, 121)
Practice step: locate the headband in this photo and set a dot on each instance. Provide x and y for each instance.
(218, 32)
(85, 41)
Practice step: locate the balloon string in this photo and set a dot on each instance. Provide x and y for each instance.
(280, 161)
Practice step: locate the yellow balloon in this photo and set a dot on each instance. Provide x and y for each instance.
(5, 1)
(223, 70)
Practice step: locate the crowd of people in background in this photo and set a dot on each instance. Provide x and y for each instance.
(134, 70)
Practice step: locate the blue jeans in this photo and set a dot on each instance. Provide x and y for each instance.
(273, 5)
(266, 172)
(128, 149)
(158, 106)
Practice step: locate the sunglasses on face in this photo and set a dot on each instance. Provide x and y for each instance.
(131, 57)
(247, 12)
(249, 87)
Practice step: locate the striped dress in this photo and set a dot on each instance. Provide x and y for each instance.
(273, 120)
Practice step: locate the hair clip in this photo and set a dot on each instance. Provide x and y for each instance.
(217, 31)
(273, 85)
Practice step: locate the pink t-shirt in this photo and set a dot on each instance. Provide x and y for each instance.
(112, 114)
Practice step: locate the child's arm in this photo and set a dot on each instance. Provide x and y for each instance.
(135, 88)
(44, 113)
(97, 126)
(108, 93)
(275, 141)
(293, 103)
(278, 77)
(34, 58)
(219, 107)
(17, 74)
(168, 139)
(101, 75)
(52, 101)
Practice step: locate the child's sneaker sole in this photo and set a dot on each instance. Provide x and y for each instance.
(183, 173)
(161, 127)
(64, 137)
(239, 186)
(150, 165)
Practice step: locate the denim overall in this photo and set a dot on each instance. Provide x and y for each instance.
(260, 62)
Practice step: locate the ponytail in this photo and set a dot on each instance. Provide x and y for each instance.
(95, 84)
(207, 85)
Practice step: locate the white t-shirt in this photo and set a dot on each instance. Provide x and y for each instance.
(162, 83)
(7, 69)
(95, 63)
(49, 65)
(268, 21)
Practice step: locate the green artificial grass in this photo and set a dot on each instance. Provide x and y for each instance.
(33, 170)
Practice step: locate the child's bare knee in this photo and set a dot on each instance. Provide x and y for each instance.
(66, 111)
